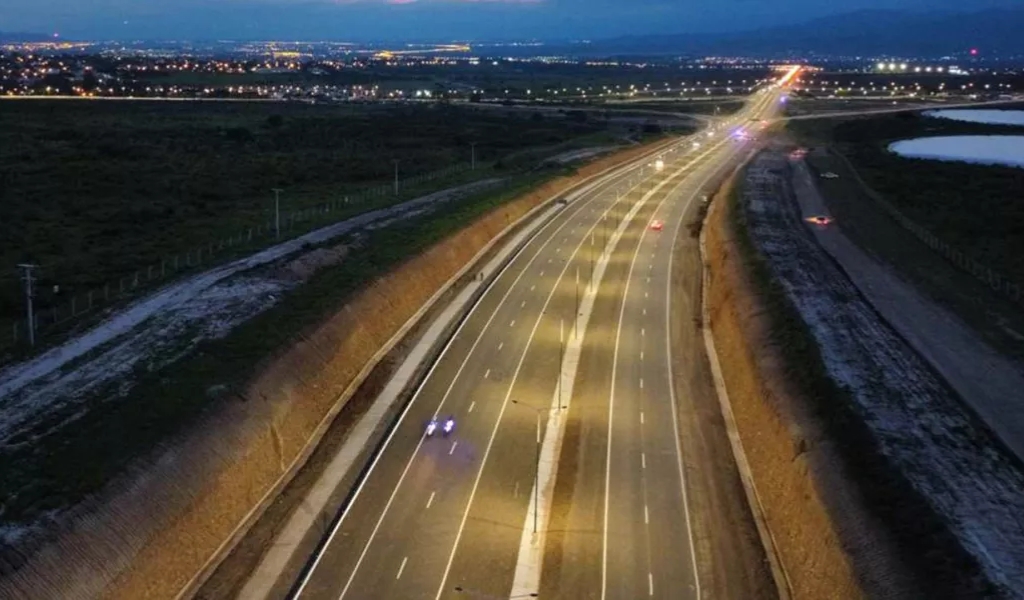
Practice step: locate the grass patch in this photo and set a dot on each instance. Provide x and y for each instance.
(942, 567)
(74, 461)
(974, 208)
(95, 191)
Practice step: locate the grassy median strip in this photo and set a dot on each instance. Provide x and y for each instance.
(61, 467)
(930, 550)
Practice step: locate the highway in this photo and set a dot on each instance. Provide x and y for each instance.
(443, 517)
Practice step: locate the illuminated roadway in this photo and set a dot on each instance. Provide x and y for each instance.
(443, 517)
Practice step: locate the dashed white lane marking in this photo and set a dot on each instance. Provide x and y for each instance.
(641, 418)
(401, 568)
(471, 405)
(549, 261)
(645, 312)
(641, 383)
(515, 492)
(533, 287)
(431, 499)
(542, 273)
(647, 516)
(452, 451)
(641, 355)
(643, 332)
(650, 584)
(522, 304)
(513, 323)
(645, 294)
(501, 345)
(643, 460)
(648, 280)
(487, 374)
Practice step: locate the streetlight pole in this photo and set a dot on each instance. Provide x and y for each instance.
(536, 484)
(28, 301)
(277, 212)
(576, 314)
(591, 257)
(561, 358)
(396, 176)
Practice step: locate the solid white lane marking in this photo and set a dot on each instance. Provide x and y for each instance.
(611, 409)
(431, 499)
(337, 527)
(494, 431)
(487, 374)
(401, 568)
(452, 451)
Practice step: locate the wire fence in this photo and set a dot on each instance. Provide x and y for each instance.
(986, 275)
(64, 314)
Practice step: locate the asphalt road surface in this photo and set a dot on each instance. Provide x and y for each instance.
(442, 517)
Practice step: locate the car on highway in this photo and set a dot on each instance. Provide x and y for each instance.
(820, 220)
(446, 427)
(830, 175)
(657, 225)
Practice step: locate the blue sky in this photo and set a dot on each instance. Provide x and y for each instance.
(362, 20)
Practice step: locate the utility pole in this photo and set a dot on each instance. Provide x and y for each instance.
(396, 176)
(277, 212)
(28, 301)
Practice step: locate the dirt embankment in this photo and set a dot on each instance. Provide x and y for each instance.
(243, 450)
(829, 546)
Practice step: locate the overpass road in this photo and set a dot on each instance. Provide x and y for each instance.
(443, 517)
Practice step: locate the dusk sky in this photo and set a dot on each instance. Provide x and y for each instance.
(362, 20)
